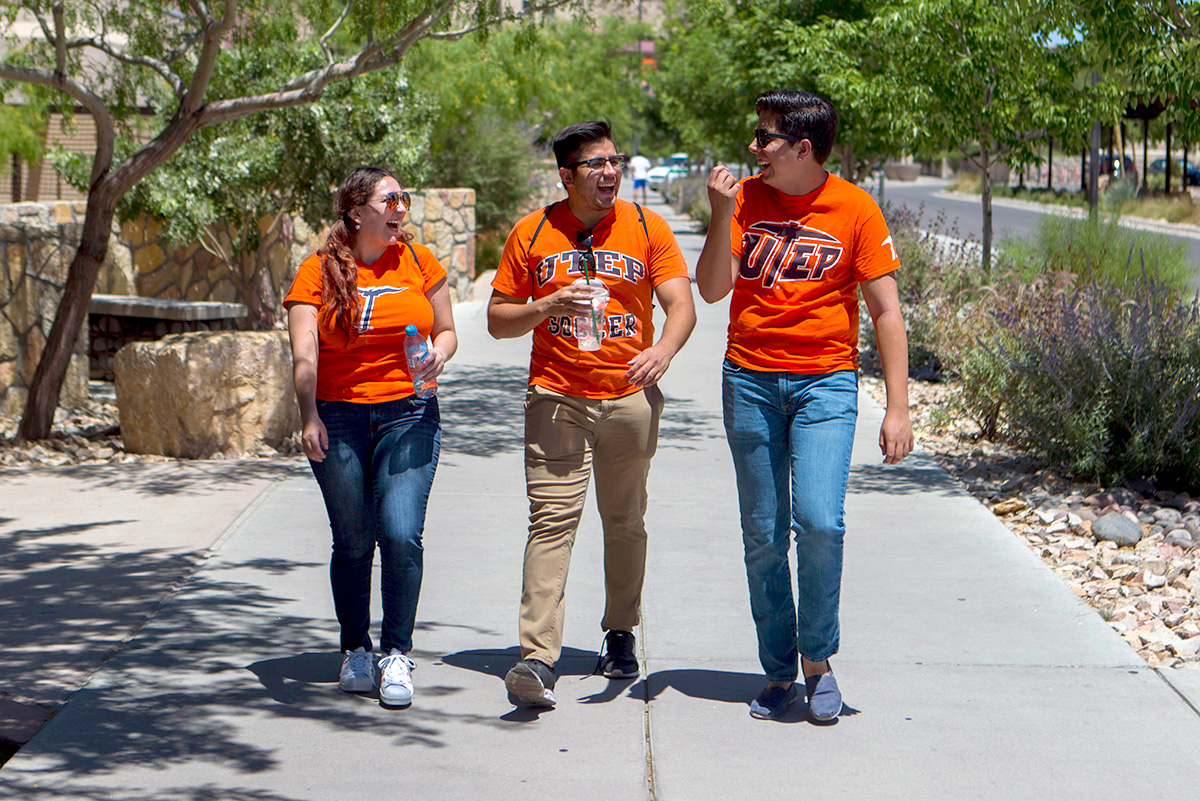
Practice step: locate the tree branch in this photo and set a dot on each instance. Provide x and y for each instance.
(309, 86)
(211, 244)
(507, 16)
(60, 41)
(324, 40)
(161, 68)
(1184, 24)
(214, 32)
(45, 26)
(400, 42)
(200, 9)
(92, 102)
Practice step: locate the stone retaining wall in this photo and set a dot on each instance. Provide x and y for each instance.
(38, 242)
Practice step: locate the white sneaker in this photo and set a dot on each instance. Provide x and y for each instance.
(395, 683)
(358, 671)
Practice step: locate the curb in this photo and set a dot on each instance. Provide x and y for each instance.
(1137, 223)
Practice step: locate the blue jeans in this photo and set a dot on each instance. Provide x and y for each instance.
(791, 437)
(375, 480)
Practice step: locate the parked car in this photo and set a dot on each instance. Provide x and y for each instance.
(674, 167)
(1160, 166)
(1106, 164)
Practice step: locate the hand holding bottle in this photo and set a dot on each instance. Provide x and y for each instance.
(424, 365)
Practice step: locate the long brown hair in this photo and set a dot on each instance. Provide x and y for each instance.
(341, 305)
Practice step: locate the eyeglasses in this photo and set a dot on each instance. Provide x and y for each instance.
(764, 137)
(618, 161)
(393, 199)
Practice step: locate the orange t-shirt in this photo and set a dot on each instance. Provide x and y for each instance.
(795, 301)
(373, 368)
(630, 265)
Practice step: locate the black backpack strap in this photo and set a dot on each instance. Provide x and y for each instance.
(545, 216)
(642, 217)
(413, 251)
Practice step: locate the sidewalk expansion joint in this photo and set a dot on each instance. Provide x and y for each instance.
(1175, 690)
(646, 715)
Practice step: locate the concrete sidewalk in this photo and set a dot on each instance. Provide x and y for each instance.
(969, 669)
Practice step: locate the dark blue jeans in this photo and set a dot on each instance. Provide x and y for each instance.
(375, 480)
(791, 436)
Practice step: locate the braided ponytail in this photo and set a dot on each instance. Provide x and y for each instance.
(341, 305)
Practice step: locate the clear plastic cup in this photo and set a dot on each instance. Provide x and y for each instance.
(589, 320)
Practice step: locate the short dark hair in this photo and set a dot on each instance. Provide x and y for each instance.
(805, 114)
(571, 140)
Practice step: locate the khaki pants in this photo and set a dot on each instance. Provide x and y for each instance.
(567, 438)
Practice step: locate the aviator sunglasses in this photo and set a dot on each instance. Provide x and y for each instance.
(393, 199)
(764, 137)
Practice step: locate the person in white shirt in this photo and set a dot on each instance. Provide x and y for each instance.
(639, 165)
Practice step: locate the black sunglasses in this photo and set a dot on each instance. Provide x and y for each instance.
(583, 241)
(764, 137)
(394, 199)
(618, 161)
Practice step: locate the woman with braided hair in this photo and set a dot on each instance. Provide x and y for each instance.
(372, 443)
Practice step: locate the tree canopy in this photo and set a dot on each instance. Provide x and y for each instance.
(194, 65)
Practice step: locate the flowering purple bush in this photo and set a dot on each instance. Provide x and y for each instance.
(1102, 379)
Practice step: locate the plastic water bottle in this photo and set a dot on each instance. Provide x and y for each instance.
(416, 351)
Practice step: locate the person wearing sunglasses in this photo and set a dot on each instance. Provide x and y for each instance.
(588, 412)
(795, 245)
(372, 443)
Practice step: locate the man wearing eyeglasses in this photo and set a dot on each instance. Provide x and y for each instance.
(795, 245)
(588, 411)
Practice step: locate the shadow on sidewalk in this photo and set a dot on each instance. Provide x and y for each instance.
(166, 698)
(493, 662)
(55, 591)
(912, 476)
(169, 477)
(484, 412)
(684, 422)
(722, 686)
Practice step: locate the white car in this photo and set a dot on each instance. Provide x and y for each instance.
(674, 167)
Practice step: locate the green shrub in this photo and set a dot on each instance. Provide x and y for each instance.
(970, 183)
(1104, 384)
(480, 150)
(1095, 247)
(939, 273)
(1119, 194)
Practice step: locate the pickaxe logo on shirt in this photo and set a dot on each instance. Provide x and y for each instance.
(787, 251)
(368, 295)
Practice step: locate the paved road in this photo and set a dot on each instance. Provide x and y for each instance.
(1019, 219)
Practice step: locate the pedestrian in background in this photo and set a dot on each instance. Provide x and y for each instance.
(794, 245)
(372, 443)
(639, 168)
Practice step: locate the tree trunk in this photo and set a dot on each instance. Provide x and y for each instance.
(849, 172)
(1145, 155)
(103, 196)
(985, 191)
(1050, 163)
(1093, 162)
(70, 317)
(1167, 172)
(261, 298)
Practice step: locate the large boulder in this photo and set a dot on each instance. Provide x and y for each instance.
(197, 394)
